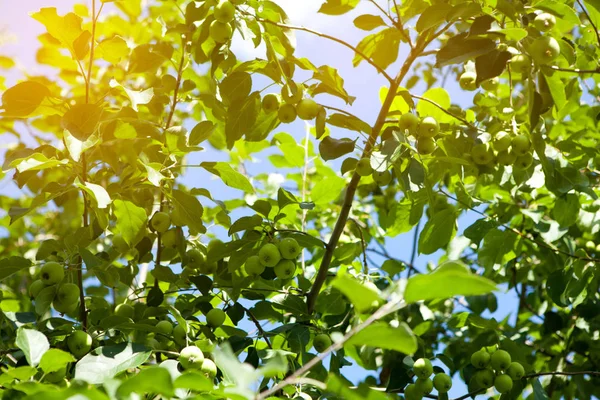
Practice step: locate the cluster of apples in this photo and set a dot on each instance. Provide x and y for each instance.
(294, 104)
(280, 255)
(424, 385)
(192, 358)
(66, 297)
(425, 130)
(496, 369)
(505, 149)
(364, 168)
(220, 29)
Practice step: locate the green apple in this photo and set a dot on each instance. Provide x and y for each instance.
(270, 103)
(502, 141)
(170, 239)
(254, 266)
(289, 248)
(422, 368)
(408, 122)
(215, 317)
(195, 258)
(485, 378)
(285, 269)
(382, 178)
(363, 167)
(153, 344)
(503, 383)
(124, 310)
(429, 127)
(179, 335)
(207, 268)
(79, 343)
(424, 385)
(56, 376)
(67, 293)
(480, 359)
(321, 342)
(520, 64)
(224, 11)
(544, 22)
(412, 392)
(287, 113)
(482, 154)
(214, 244)
(507, 157)
(160, 222)
(490, 84)
(35, 288)
(292, 93)
(442, 382)
(521, 144)
(220, 32)
(468, 81)
(524, 161)
(269, 255)
(515, 370)
(544, 49)
(425, 145)
(500, 360)
(307, 109)
(52, 273)
(209, 368)
(191, 357)
(64, 307)
(165, 327)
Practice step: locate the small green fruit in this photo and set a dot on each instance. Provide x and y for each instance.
(307, 109)
(215, 317)
(363, 167)
(269, 255)
(425, 386)
(79, 343)
(485, 378)
(500, 360)
(287, 113)
(209, 368)
(524, 161)
(429, 127)
(544, 49)
(502, 141)
(170, 239)
(321, 342)
(179, 335)
(270, 103)
(254, 266)
(191, 357)
(35, 288)
(425, 145)
(124, 310)
(195, 258)
(544, 22)
(285, 269)
(468, 81)
(442, 382)
(412, 392)
(224, 11)
(289, 248)
(482, 154)
(480, 359)
(520, 64)
(292, 93)
(64, 307)
(521, 144)
(423, 368)
(507, 157)
(408, 122)
(160, 222)
(503, 383)
(515, 370)
(52, 273)
(220, 32)
(68, 293)
(165, 327)
(382, 178)
(490, 84)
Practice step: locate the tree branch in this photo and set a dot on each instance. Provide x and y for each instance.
(260, 329)
(461, 119)
(552, 373)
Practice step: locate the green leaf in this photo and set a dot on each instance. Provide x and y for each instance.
(98, 192)
(245, 223)
(240, 375)
(12, 265)
(360, 295)
(438, 231)
(331, 148)
(349, 122)
(201, 132)
(82, 120)
(331, 83)
(235, 86)
(155, 380)
(44, 299)
(338, 7)
(327, 190)
(289, 303)
(566, 209)
(284, 198)
(538, 390)
(113, 50)
(498, 248)
(33, 344)
(66, 29)
(229, 176)
(368, 22)
(384, 336)
(330, 302)
(433, 16)
(104, 363)
(241, 115)
(193, 380)
(55, 359)
(23, 99)
(449, 279)
(439, 96)
(187, 211)
(381, 47)
(76, 147)
(136, 97)
(130, 219)
(491, 65)
(556, 87)
(461, 48)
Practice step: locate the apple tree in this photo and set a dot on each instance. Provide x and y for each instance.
(141, 256)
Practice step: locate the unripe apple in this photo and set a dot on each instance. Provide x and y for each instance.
(287, 113)
(503, 383)
(207, 268)
(500, 360)
(209, 368)
(544, 49)
(195, 258)
(79, 343)
(485, 378)
(35, 288)
(285, 269)
(507, 157)
(482, 154)
(382, 178)
(490, 84)
(215, 317)
(423, 368)
(502, 141)
(56, 376)
(321, 342)
(220, 32)
(307, 109)
(524, 161)
(292, 93)
(289, 248)
(425, 145)
(68, 293)
(411, 392)
(254, 266)
(191, 357)
(515, 370)
(124, 310)
(165, 327)
(269, 255)
(408, 122)
(170, 239)
(521, 144)
(442, 382)
(224, 11)
(64, 307)
(468, 81)
(429, 127)
(520, 64)
(363, 167)
(425, 386)
(270, 103)
(480, 359)
(179, 335)
(544, 22)
(160, 222)
(52, 273)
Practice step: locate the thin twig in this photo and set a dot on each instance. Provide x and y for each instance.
(461, 119)
(592, 373)
(364, 246)
(589, 19)
(574, 70)
(388, 256)
(413, 253)
(260, 329)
